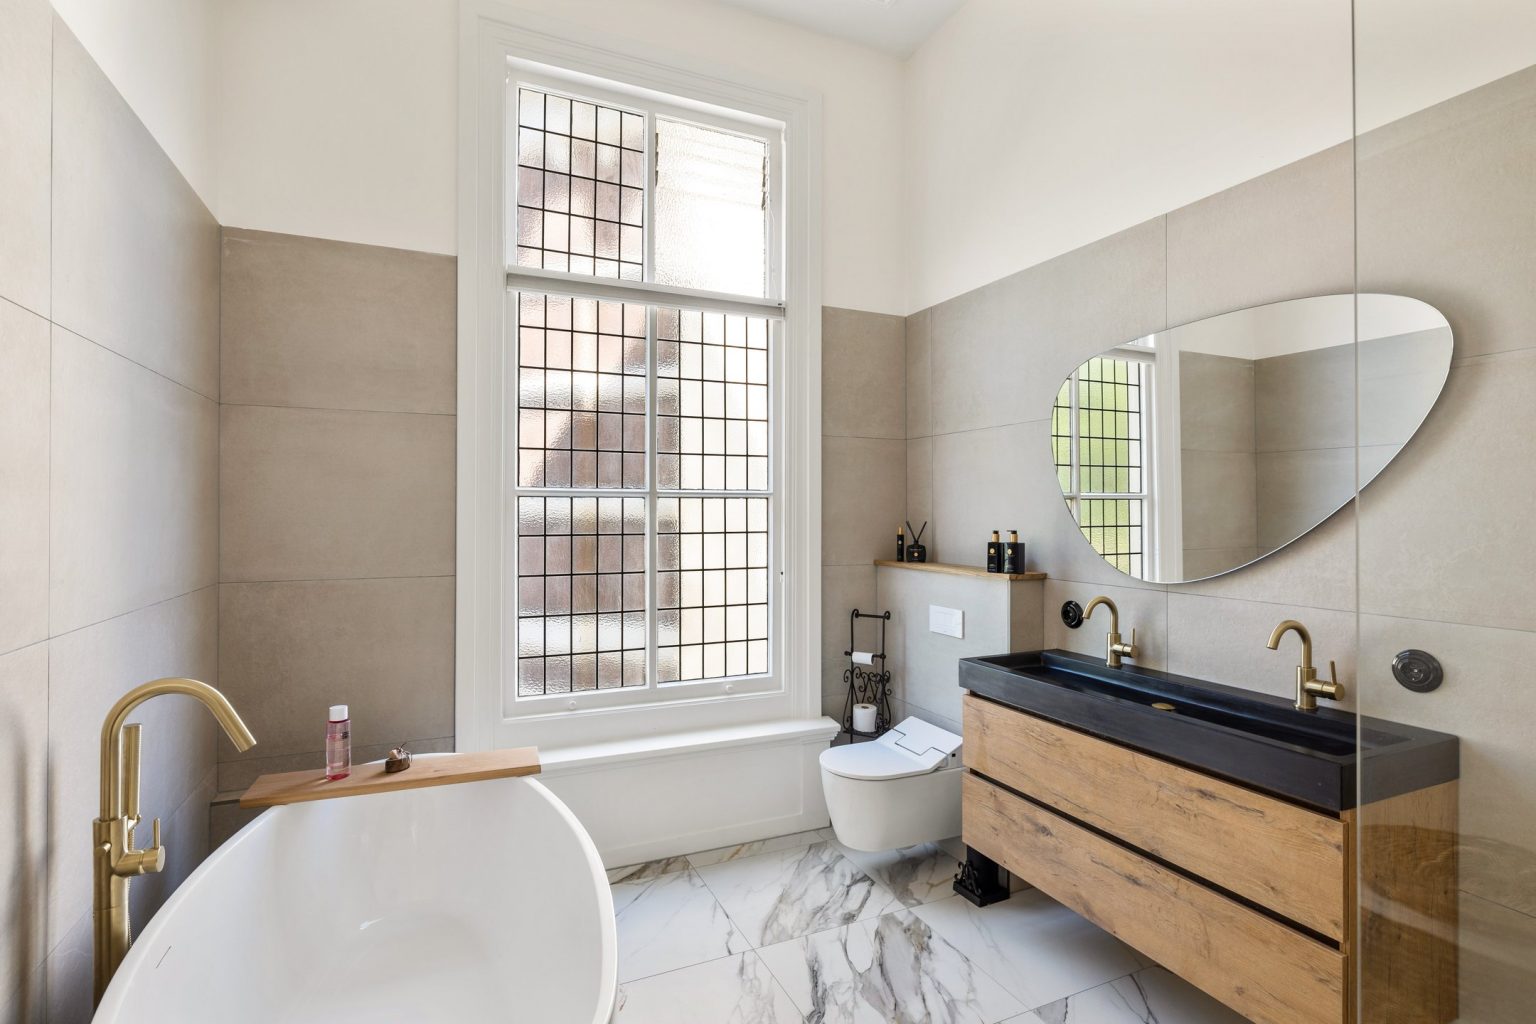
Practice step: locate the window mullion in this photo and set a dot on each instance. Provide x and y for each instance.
(652, 543)
(648, 200)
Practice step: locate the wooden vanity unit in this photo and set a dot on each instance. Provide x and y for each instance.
(1249, 896)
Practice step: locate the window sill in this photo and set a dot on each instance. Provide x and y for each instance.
(562, 760)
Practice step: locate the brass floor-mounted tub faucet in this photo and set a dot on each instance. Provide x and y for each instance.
(116, 861)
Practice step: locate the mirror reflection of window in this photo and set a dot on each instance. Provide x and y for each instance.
(1101, 433)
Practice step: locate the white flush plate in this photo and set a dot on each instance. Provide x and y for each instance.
(949, 621)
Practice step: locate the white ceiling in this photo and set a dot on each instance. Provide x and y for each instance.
(895, 26)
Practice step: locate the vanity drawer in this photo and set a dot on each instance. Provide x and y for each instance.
(1264, 970)
(1283, 857)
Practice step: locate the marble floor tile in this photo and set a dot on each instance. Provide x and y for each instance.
(888, 970)
(914, 875)
(670, 921)
(733, 990)
(1152, 996)
(794, 841)
(1037, 949)
(789, 893)
(650, 869)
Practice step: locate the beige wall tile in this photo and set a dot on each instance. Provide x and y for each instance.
(185, 837)
(1485, 700)
(69, 975)
(920, 374)
(322, 324)
(864, 496)
(26, 56)
(920, 491)
(1219, 493)
(135, 252)
(1026, 615)
(1497, 972)
(1283, 235)
(844, 588)
(863, 374)
(1202, 563)
(1225, 641)
(1445, 213)
(89, 670)
(317, 494)
(1317, 570)
(1142, 609)
(1001, 352)
(134, 486)
(1439, 535)
(24, 359)
(290, 650)
(1306, 399)
(24, 807)
(1217, 415)
(1297, 490)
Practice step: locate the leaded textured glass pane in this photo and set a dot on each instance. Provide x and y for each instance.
(711, 209)
(712, 587)
(581, 602)
(581, 375)
(579, 187)
(712, 401)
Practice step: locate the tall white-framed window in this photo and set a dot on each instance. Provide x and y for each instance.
(637, 536)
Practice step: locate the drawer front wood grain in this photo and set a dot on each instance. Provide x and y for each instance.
(1276, 854)
(1264, 970)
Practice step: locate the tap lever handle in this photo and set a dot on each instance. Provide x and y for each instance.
(1133, 640)
(154, 842)
(1333, 671)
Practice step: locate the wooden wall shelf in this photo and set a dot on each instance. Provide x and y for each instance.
(426, 770)
(959, 570)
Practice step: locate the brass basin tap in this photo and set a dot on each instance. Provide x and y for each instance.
(116, 860)
(1308, 686)
(1115, 650)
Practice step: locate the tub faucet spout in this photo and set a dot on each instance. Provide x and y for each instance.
(116, 859)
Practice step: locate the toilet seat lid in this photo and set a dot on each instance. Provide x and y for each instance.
(911, 748)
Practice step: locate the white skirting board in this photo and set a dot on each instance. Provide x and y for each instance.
(668, 803)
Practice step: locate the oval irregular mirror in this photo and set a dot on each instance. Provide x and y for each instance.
(1197, 450)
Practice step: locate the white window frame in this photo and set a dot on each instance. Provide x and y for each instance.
(1151, 515)
(494, 41)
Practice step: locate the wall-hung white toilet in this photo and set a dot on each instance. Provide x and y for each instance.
(898, 790)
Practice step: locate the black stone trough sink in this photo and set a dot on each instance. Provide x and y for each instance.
(1329, 759)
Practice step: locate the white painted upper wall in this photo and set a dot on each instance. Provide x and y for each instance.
(1038, 126)
(159, 55)
(338, 119)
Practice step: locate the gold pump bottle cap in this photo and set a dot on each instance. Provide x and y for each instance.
(1013, 535)
(994, 535)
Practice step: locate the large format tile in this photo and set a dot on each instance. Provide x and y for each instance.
(1036, 949)
(891, 968)
(26, 57)
(24, 371)
(24, 808)
(1443, 533)
(1226, 641)
(1283, 235)
(1468, 247)
(914, 875)
(1297, 490)
(133, 486)
(1317, 570)
(864, 496)
(843, 589)
(920, 491)
(316, 494)
(738, 989)
(69, 974)
(135, 252)
(89, 670)
(793, 841)
(863, 373)
(920, 374)
(1221, 499)
(1000, 352)
(668, 922)
(1497, 971)
(1141, 609)
(785, 894)
(1147, 997)
(383, 647)
(648, 870)
(335, 325)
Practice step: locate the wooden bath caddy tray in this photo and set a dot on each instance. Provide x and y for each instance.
(431, 770)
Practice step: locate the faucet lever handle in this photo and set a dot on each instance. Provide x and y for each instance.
(1333, 672)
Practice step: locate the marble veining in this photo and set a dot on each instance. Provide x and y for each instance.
(733, 990)
(789, 893)
(793, 841)
(1152, 996)
(650, 869)
(670, 921)
(889, 970)
(914, 875)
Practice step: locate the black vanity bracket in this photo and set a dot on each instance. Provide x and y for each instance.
(981, 879)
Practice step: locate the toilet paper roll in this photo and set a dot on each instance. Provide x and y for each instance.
(863, 718)
(863, 658)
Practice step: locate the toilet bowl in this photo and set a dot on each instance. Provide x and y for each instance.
(898, 790)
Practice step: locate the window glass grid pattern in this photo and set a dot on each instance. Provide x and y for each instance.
(712, 587)
(581, 178)
(1107, 473)
(712, 401)
(582, 377)
(582, 622)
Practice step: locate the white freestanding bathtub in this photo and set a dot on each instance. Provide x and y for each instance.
(459, 904)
